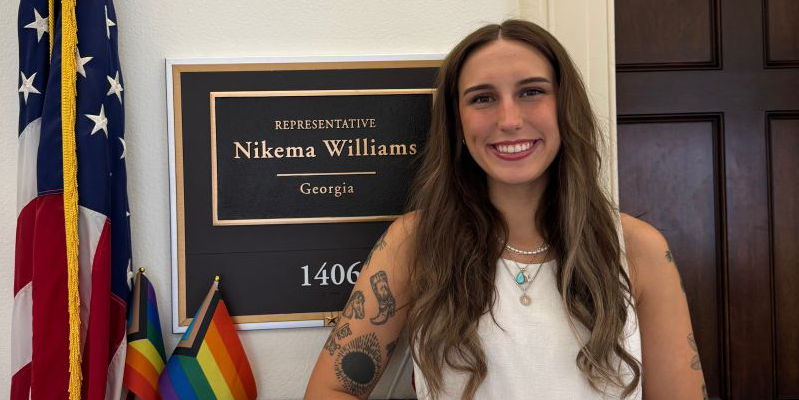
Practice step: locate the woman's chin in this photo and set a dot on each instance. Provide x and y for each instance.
(516, 180)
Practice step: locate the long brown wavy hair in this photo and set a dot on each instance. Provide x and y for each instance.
(456, 229)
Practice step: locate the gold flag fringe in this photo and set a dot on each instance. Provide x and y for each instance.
(68, 76)
(51, 25)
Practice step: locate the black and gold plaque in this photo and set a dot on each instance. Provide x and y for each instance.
(314, 156)
(284, 175)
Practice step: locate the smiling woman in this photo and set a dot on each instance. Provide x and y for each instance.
(508, 111)
(513, 274)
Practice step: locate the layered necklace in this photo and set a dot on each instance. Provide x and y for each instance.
(534, 252)
(522, 278)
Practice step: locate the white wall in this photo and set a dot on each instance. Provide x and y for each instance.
(152, 30)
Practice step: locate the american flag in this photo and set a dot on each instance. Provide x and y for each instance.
(40, 323)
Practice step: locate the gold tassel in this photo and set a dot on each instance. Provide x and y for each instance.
(51, 25)
(68, 75)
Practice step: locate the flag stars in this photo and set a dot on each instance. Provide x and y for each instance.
(108, 24)
(124, 149)
(116, 87)
(131, 275)
(80, 62)
(27, 86)
(100, 121)
(40, 24)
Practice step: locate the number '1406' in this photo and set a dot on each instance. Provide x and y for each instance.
(335, 274)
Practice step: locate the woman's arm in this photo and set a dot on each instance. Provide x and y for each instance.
(671, 367)
(359, 347)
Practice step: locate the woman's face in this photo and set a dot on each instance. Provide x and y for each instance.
(508, 110)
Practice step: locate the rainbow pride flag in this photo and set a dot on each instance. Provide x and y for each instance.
(145, 356)
(209, 362)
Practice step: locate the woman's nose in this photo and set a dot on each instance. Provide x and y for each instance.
(510, 118)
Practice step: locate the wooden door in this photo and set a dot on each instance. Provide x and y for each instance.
(708, 144)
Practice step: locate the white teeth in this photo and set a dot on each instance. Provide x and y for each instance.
(514, 148)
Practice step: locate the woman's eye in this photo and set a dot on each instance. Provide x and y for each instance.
(481, 99)
(531, 92)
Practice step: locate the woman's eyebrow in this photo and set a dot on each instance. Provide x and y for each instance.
(476, 87)
(534, 79)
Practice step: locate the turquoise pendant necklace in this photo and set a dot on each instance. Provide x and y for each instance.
(522, 277)
(523, 281)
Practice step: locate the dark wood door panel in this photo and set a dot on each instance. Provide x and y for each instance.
(750, 306)
(781, 21)
(784, 170)
(678, 157)
(704, 91)
(666, 35)
(755, 182)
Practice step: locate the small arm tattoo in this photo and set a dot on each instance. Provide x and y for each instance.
(696, 364)
(380, 245)
(343, 332)
(331, 345)
(385, 300)
(358, 364)
(692, 342)
(354, 306)
(670, 258)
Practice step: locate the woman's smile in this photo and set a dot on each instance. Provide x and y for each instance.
(512, 150)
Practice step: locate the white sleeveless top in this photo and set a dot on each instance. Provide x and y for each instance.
(534, 356)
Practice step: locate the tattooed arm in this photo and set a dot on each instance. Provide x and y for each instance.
(671, 366)
(358, 349)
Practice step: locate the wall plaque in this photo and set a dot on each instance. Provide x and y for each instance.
(314, 156)
(284, 172)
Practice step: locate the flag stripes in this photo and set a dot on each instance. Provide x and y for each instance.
(145, 355)
(209, 361)
(50, 339)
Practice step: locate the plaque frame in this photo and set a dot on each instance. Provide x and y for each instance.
(173, 68)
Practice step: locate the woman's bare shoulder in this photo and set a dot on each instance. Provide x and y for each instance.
(405, 224)
(392, 249)
(401, 231)
(641, 238)
(649, 258)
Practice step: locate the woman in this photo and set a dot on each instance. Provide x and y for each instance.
(511, 276)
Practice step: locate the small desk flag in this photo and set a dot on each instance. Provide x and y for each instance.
(209, 361)
(145, 358)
